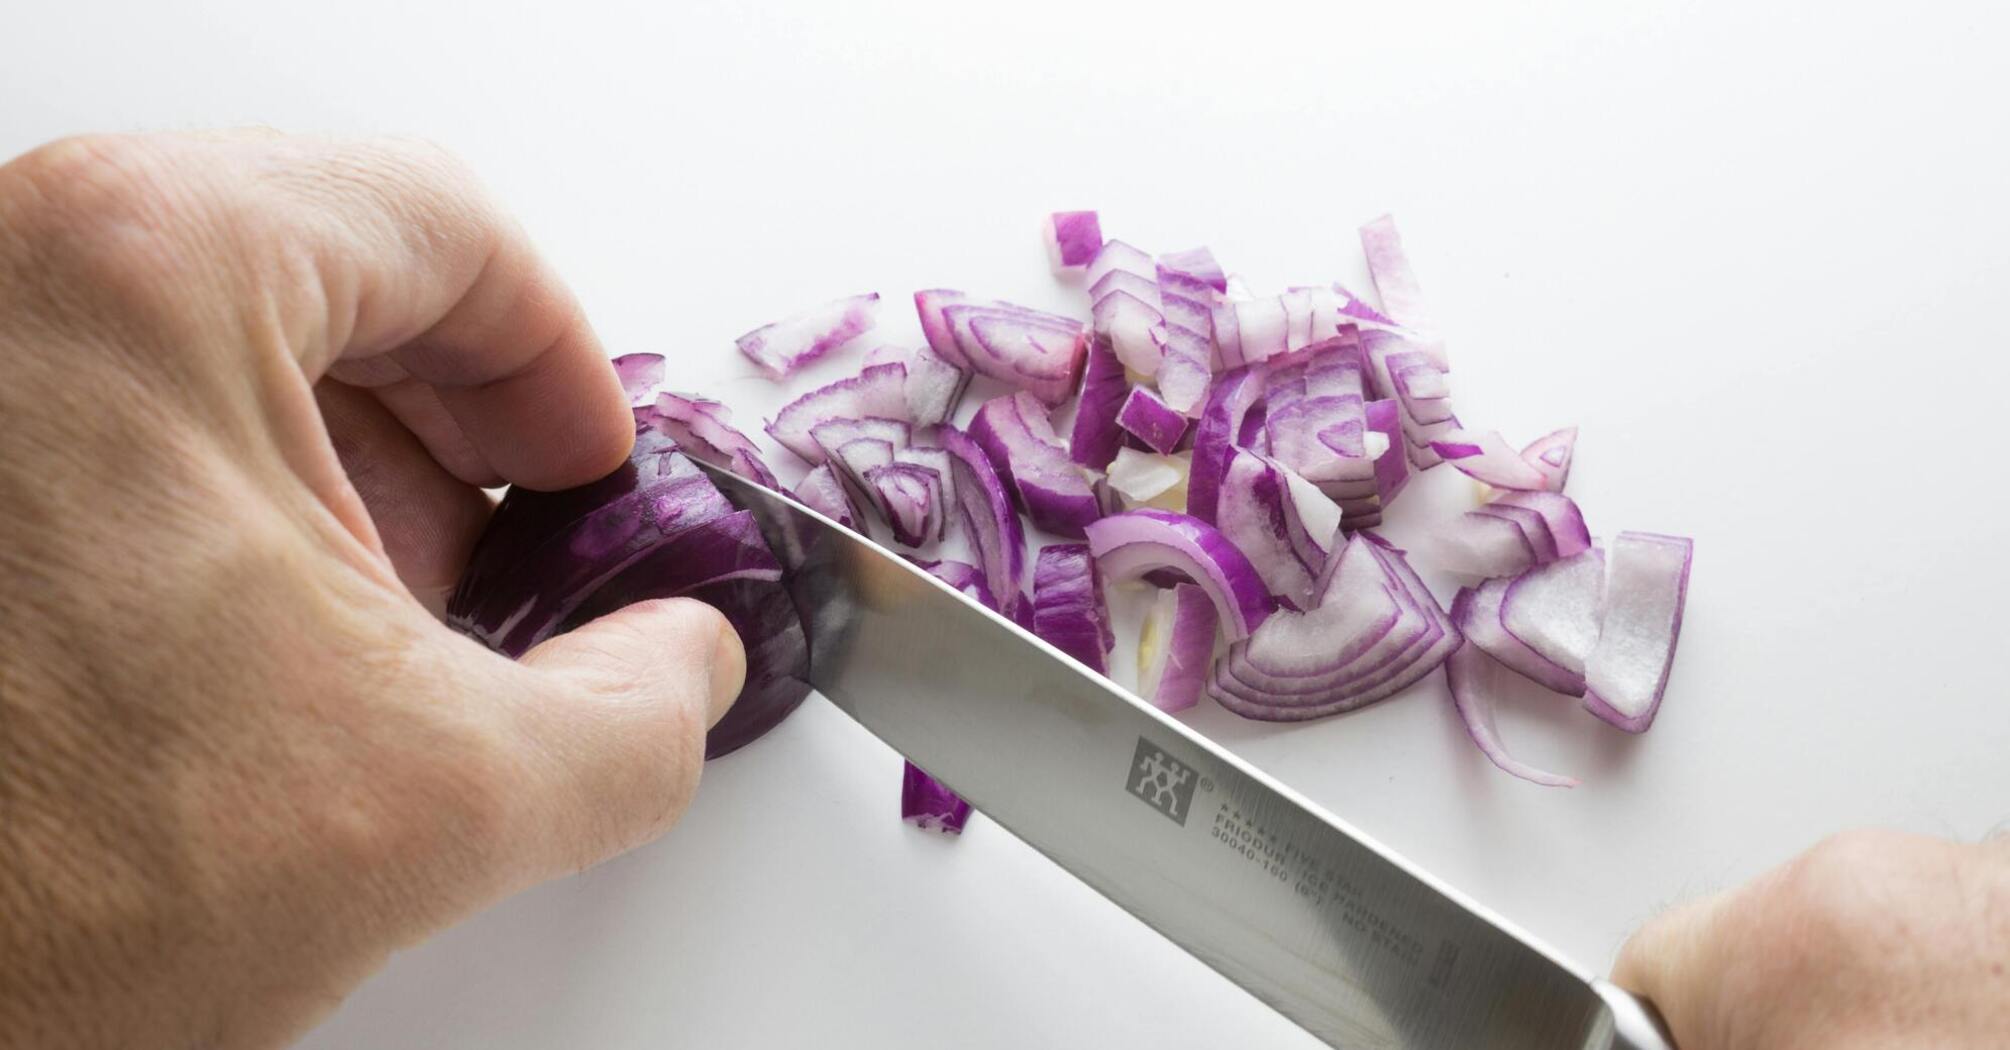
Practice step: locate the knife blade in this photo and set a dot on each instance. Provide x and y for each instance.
(1356, 945)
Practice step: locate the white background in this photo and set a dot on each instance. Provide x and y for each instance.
(1759, 251)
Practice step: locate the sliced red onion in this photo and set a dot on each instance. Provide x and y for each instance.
(1422, 419)
(996, 537)
(703, 429)
(821, 491)
(1257, 329)
(1034, 351)
(1190, 283)
(928, 804)
(1392, 467)
(1395, 281)
(934, 387)
(1136, 285)
(1281, 521)
(1073, 238)
(1550, 455)
(1135, 330)
(640, 375)
(1555, 611)
(1068, 610)
(1216, 435)
(1512, 535)
(910, 497)
(964, 577)
(1479, 619)
(1645, 591)
(936, 462)
(656, 528)
(834, 434)
(1489, 458)
(1118, 256)
(1185, 370)
(1175, 647)
(786, 345)
(1152, 420)
(1146, 479)
(1476, 679)
(1096, 436)
(1136, 542)
(1015, 434)
(878, 391)
(1375, 631)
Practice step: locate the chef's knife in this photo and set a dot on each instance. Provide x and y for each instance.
(1355, 944)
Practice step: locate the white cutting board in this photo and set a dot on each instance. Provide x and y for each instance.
(1756, 250)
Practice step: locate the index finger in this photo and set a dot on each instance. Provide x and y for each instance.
(421, 272)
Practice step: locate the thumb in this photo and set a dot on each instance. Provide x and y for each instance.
(1673, 962)
(615, 726)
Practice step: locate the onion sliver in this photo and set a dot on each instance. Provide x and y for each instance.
(1152, 421)
(1073, 238)
(996, 538)
(1174, 647)
(1488, 457)
(1068, 609)
(1015, 433)
(1645, 590)
(780, 348)
(1137, 542)
(928, 804)
(877, 391)
(1476, 680)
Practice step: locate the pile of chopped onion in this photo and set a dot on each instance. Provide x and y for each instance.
(1233, 451)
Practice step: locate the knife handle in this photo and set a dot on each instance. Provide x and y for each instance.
(1636, 1025)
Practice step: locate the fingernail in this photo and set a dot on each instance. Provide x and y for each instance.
(729, 670)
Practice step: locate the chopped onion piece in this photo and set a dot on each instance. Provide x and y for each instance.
(1146, 479)
(1116, 255)
(910, 497)
(1136, 542)
(1068, 609)
(1512, 535)
(1375, 631)
(640, 375)
(1281, 521)
(704, 429)
(1395, 281)
(786, 345)
(1480, 621)
(1175, 646)
(1554, 609)
(1015, 433)
(1073, 238)
(878, 390)
(996, 537)
(1488, 458)
(1216, 435)
(1152, 421)
(1096, 435)
(821, 491)
(1476, 680)
(928, 804)
(1134, 329)
(1645, 591)
(1550, 455)
(1034, 351)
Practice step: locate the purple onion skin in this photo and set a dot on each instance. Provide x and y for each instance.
(927, 803)
(517, 548)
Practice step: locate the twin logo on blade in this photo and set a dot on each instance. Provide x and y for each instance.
(1164, 782)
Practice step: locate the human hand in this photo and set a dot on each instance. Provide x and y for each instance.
(240, 762)
(1870, 940)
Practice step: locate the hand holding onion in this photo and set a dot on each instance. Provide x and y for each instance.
(250, 389)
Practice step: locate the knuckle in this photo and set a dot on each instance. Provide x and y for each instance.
(103, 215)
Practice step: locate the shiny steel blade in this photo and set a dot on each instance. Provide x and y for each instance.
(1356, 945)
